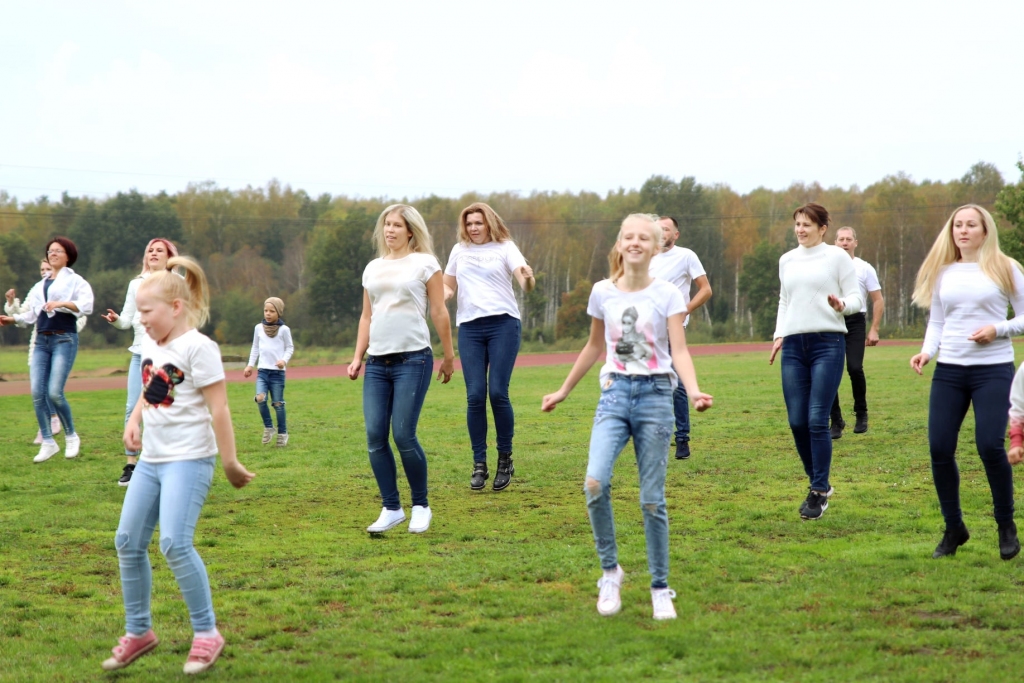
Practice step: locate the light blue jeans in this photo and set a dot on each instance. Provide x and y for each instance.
(172, 493)
(637, 406)
(134, 391)
(270, 384)
(52, 359)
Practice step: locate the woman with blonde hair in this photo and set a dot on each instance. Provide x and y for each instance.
(968, 283)
(481, 268)
(398, 288)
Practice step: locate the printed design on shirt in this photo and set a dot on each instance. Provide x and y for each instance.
(158, 383)
(634, 341)
(481, 259)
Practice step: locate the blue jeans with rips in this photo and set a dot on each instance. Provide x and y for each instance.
(637, 406)
(489, 343)
(52, 359)
(270, 385)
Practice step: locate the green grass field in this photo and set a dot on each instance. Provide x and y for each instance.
(502, 586)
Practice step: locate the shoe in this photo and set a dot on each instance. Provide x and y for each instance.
(129, 650)
(662, 599)
(836, 430)
(480, 476)
(951, 540)
(682, 450)
(862, 423)
(388, 519)
(39, 437)
(126, 475)
(72, 444)
(804, 504)
(54, 425)
(268, 435)
(420, 521)
(608, 600)
(47, 451)
(203, 654)
(815, 506)
(282, 440)
(505, 470)
(1009, 546)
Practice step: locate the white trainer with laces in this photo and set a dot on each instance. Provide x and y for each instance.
(662, 599)
(268, 435)
(72, 444)
(420, 521)
(282, 440)
(609, 601)
(47, 451)
(388, 519)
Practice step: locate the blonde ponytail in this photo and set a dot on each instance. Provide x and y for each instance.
(191, 288)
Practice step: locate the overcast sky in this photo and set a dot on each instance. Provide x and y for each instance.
(407, 99)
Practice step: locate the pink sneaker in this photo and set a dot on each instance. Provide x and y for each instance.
(203, 654)
(54, 425)
(39, 437)
(129, 650)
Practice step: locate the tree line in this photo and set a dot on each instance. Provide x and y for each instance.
(311, 251)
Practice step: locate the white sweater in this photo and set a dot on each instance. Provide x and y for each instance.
(964, 301)
(808, 276)
(269, 350)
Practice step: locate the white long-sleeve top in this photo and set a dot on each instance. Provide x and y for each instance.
(965, 300)
(67, 286)
(269, 350)
(130, 316)
(13, 308)
(807, 277)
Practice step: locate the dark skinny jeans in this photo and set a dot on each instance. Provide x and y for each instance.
(488, 348)
(856, 335)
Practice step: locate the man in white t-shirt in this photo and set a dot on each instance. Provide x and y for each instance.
(856, 340)
(683, 269)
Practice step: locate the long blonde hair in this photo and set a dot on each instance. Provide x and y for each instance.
(615, 262)
(496, 228)
(996, 265)
(192, 289)
(420, 242)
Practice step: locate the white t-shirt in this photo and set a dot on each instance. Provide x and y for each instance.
(398, 302)
(268, 350)
(681, 267)
(867, 279)
(636, 327)
(484, 275)
(178, 425)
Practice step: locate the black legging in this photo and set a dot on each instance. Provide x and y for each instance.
(856, 335)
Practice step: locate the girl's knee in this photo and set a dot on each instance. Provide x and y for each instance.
(261, 398)
(594, 488)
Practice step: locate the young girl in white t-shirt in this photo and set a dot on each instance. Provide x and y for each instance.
(272, 348)
(635, 318)
(184, 408)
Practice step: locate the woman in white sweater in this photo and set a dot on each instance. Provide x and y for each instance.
(819, 285)
(272, 348)
(968, 283)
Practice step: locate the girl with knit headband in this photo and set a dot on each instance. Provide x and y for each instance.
(272, 348)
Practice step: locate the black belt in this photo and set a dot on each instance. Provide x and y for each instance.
(53, 332)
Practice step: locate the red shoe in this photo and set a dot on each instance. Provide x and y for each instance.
(129, 650)
(203, 654)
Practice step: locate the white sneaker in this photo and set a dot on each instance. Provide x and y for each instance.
(268, 435)
(39, 437)
(47, 451)
(388, 519)
(54, 425)
(72, 443)
(608, 600)
(282, 441)
(420, 521)
(662, 599)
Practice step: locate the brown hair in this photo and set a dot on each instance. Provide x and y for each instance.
(192, 289)
(496, 227)
(69, 248)
(816, 212)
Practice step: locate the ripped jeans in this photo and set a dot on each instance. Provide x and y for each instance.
(172, 493)
(639, 406)
(270, 385)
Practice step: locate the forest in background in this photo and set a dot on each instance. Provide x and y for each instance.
(311, 251)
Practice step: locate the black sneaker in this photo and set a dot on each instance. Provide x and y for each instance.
(479, 477)
(803, 505)
(815, 505)
(862, 423)
(1009, 546)
(682, 450)
(126, 475)
(836, 430)
(503, 476)
(953, 539)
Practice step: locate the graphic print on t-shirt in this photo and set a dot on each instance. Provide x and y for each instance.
(158, 383)
(634, 341)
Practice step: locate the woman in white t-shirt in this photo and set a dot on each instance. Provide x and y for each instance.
(480, 269)
(398, 289)
(969, 284)
(635, 317)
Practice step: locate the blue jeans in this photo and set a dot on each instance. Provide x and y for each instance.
(271, 382)
(954, 389)
(52, 360)
(490, 341)
(134, 391)
(639, 406)
(812, 367)
(172, 493)
(394, 387)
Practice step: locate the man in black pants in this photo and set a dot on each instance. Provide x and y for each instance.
(856, 338)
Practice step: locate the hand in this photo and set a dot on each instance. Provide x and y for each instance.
(247, 372)
(548, 403)
(53, 305)
(527, 272)
(10, 296)
(237, 474)
(110, 316)
(280, 365)
(132, 439)
(983, 335)
(353, 368)
(919, 361)
(447, 369)
(872, 339)
(702, 401)
(775, 349)
(836, 303)
(1015, 455)
(6, 320)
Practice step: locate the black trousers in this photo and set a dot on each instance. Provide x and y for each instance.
(856, 335)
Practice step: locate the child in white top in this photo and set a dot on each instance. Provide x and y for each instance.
(185, 410)
(272, 348)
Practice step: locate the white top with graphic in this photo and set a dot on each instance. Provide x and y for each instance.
(398, 301)
(178, 425)
(636, 327)
(484, 275)
(681, 267)
(268, 350)
(867, 278)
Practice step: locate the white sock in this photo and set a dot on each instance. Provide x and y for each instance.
(610, 573)
(134, 635)
(50, 440)
(207, 634)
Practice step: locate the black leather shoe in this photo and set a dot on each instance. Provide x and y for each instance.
(836, 430)
(503, 475)
(1009, 546)
(951, 540)
(862, 423)
(479, 477)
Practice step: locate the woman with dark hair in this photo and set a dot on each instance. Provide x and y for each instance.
(55, 308)
(819, 285)
(154, 259)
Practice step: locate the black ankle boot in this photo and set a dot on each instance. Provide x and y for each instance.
(479, 477)
(951, 540)
(1009, 546)
(503, 475)
(836, 430)
(862, 423)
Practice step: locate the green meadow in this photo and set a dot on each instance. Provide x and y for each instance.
(502, 586)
